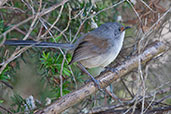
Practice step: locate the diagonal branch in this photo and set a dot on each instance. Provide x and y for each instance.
(105, 78)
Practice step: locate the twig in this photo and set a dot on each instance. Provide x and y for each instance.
(158, 110)
(16, 54)
(61, 79)
(162, 99)
(5, 83)
(3, 40)
(120, 106)
(127, 88)
(57, 19)
(34, 21)
(152, 27)
(22, 32)
(147, 6)
(6, 110)
(141, 24)
(113, 96)
(54, 28)
(69, 21)
(85, 19)
(12, 8)
(120, 2)
(2, 2)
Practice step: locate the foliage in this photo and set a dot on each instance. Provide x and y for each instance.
(20, 105)
(52, 64)
(4, 76)
(1, 101)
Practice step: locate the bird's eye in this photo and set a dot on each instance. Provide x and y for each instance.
(121, 29)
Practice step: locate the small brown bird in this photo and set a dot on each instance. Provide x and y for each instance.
(97, 48)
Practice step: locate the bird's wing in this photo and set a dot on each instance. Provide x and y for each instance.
(90, 46)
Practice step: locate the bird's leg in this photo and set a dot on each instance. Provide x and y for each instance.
(97, 83)
(109, 89)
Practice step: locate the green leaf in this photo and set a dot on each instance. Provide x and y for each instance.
(57, 38)
(1, 101)
(66, 71)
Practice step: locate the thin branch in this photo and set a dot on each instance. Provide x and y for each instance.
(127, 88)
(5, 83)
(158, 110)
(34, 21)
(136, 13)
(57, 19)
(12, 8)
(3, 108)
(147, 6)
(162, 99)
(120, 106)
(16, 54)
(61, 79)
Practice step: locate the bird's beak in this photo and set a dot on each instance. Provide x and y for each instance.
(124, 28)
(127, 27)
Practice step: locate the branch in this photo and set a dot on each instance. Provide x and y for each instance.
(106, 78)
(2, 2)
(121, 107)
(158, 110)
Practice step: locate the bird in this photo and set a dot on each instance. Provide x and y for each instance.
(97, 48)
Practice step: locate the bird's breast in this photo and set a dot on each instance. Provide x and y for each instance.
(114, 50)
(107, 57)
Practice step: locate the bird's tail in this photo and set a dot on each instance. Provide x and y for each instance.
(38, 44)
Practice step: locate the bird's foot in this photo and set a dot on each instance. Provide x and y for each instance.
(96, 82)
(114, 70)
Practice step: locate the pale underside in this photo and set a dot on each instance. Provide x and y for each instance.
(95, 52)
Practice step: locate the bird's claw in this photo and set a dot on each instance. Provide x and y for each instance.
(96, 82)
(114, 70)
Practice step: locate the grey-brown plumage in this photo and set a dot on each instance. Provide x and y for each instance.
(97, 48)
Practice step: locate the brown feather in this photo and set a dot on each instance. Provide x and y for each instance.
(90, 46)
